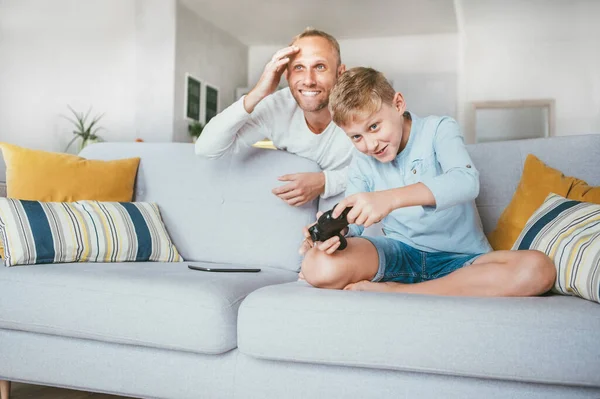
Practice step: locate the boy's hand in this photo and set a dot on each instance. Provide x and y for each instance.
(308, 242)
(328, 246)
(302, 187)
(270, 77)
(367, 208)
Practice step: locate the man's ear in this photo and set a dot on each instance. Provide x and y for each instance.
(340, 70)
(398, 102)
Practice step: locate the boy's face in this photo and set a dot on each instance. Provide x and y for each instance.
(312, 73)
(380, 134)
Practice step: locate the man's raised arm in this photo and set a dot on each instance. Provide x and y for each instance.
(239, 124)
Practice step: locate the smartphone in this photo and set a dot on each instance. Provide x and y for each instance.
(223, 270)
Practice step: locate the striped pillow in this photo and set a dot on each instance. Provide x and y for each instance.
(84, 231)
(568, 232)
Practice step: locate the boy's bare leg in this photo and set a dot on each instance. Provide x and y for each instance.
(499, 273)
(359, 261)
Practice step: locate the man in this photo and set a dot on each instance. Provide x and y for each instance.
(296, 119)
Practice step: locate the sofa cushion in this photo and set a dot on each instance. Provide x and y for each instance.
(49, 176)
(550, 339)
(161, 305)
(538, 180)
(568, 232)
(84, 231)
(581, 191)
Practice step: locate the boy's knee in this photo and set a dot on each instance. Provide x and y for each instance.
(321, 270)
(538, 269)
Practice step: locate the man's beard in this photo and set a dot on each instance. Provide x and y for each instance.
(311, 108)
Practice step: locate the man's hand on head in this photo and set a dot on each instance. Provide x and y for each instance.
(269, 80)
(302, 187)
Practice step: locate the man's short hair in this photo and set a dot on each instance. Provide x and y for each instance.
(359, 93)
(312, 32)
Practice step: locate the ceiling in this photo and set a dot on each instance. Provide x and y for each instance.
(265, 22)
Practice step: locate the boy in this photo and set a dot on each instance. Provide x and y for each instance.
(416, 175)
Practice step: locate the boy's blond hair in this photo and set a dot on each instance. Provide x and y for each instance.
(359, 93)
(312, 32)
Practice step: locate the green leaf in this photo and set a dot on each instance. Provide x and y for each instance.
(84, 130)
(71, 142)
(97, 130)
(87, 114)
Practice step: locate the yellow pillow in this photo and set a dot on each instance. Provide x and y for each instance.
(537, 182)
(54, 177)
(582, 192)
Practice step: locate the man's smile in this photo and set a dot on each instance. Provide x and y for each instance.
(310, 93)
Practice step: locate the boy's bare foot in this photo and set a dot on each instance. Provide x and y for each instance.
(300, 277)
(366, 285)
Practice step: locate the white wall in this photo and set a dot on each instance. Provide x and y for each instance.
(65, 52)
(154, 85)
(534, 49)
(126, 59)
(208, 54)
(505, 50)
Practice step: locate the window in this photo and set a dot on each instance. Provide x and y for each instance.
(192, 98)
(212, 102)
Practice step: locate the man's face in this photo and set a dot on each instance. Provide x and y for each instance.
(379, 135)
(312, 73)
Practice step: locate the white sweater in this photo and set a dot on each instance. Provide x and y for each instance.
(279, 118)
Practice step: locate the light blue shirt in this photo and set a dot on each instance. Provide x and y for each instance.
(435, 155)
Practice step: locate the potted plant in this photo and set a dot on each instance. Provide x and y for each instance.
(195, 129)
(84, 131)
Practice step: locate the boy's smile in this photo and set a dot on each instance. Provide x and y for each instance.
(380, 152)
(383, 134)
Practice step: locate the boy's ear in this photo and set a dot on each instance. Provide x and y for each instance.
(340, 70)
(399, 103)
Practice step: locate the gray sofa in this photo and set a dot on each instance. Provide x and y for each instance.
(163, 331)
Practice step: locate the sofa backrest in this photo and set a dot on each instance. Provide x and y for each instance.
(500, 165)
(220, 210)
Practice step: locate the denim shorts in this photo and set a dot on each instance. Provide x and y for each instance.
(402, 263)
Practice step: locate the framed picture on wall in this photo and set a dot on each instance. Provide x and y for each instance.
(212, 102)
(193, 92)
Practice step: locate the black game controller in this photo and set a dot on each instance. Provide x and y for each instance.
(327, 227)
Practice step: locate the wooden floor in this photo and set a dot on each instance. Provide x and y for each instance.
(26, 391)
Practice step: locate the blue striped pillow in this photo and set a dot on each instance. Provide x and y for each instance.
(84, 231)
(568, 232)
